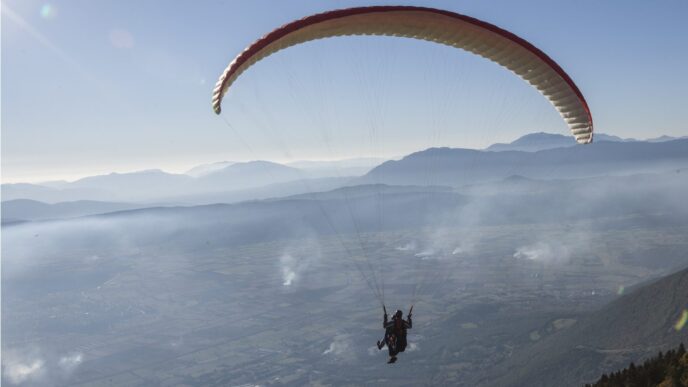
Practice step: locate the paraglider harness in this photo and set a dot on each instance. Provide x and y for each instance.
(395, 332)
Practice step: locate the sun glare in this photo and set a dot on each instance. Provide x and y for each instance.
(48, 11)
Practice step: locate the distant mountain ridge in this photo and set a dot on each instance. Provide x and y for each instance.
(534, 142)
(346, 167)
(457, 167)
(247, 175)
(647, 196)
(435, 166)
(204, 169)
(155, 185)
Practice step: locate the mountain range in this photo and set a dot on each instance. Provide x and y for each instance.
(457, 167)
(155, 186)
(540, 141)
(642, 198)
(535, 156)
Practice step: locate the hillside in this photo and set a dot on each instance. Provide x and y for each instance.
(631, 328)
(665, 370)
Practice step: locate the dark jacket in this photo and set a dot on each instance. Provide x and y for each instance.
(398, 325)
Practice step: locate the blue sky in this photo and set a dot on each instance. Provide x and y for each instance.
(92, 87)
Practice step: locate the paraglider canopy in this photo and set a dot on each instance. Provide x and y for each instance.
(444, 27)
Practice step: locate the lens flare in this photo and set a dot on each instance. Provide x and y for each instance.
(682, 320)
(621, 290)
(48, 11)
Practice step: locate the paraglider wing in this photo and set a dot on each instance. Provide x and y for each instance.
(435, 25)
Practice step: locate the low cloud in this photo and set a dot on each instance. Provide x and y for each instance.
(19, 371)
(544, 252)
(425, 253)
(456, 235)
(29, 245)
(341, 348)
(466, 245)
(289, 267)
(407, 247)
(338, 347)
(296, 259)
(374, 350)
(413, 340)
(31, 366)
(69, 362)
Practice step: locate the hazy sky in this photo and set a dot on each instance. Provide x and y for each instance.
(91, 87)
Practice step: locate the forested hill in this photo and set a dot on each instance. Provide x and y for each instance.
(633, 327)
(664, 370)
